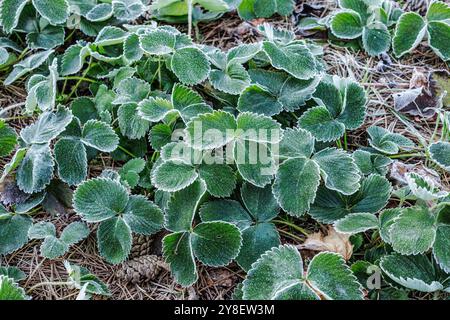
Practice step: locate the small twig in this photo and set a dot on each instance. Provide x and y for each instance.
(8, 108)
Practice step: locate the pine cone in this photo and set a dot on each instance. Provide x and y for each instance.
(142, 246)
(142, 269)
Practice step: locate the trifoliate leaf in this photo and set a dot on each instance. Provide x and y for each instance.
(190, 65)
(130, 171)
(209, 131)
(254, 162)
(114, 240)
(338, 169)
(10, 11)
(130, 123)
(8, 139)
(42, 230)
(10, 290)
(101, 12)
(158, 42)
(275, 272)
(71, 158)
(424, 187)
(53, 248)
(296, 184)
(29, 64)
(330, 206)
(177, 250)
(409, 32)
(55, 11)
(36, 169)
(413, 272)
(127, 10)
(47, 38)
(296, 59)
(82, 278)
(74, 233)
(371, 163)
(182, 206)
(440, 153)
(14, 230)
(320, 122)
(356, 223)
(219, 178)
(233, 80)
(329, 275)
(296, 142)
(256, 240)
(99, 135)
(143, 216)
(226, 210)
(260, 202)
(387, 142)
(413, 231)
(376, 39)
(216, 243)
(73, 59)
(48, 126)
(346, 25)
(100, 199)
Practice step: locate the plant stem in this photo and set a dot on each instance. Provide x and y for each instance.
(79, 78)
(290, 235)
(48, 283)
(126, 151)
(406, 155)
(294, 226)
(189, 4)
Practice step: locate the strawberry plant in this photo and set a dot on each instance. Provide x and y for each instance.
(251, 9)
(412, 28)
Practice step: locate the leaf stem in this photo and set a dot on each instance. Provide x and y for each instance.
(126, 151)
(290, 235)
(292, 225)
(406, 155)
(79, 78)
(48, 283)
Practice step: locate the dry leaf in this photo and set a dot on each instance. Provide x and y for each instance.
(399, 170)
(333, 241)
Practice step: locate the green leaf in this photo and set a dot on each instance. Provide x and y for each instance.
(409, 32)
(356, 223)
(233, 80)
(338, 169)
(376, 39)
(177, 250)
(158, 42)
(260, 202)
(258, 100)
(355, 100)
(27, 65)
(71, 158)
(48, 126)
(258, 128)
(320, 122)
(47, 38)
(423, 187)
(275, 272)
(296, 59)
(296, 142)
(438, 11)
(359, 6)
(82, 278)
(14, 231)
(73, 59)
(182, 206)
(386, 219)
(74, 233)
(439, 34)
(114, 240)
(330, 206)
(100, 199)
(243, 53)
(10, 11)
(440, 153)
(226, 210)
(216, 243)
(296, 184)
(55, 11)
(53, 248)
(440, 247)
(99, 135)
(8, 139)
(371, 163)
(131, 90)
(413, 231)
(42, 90)
(132, 50)
(387, 142)
(346, 25)
(128, 10)
(36, 169)
(190, 65)
(110, 35)
(101, 12)
(10, 290)
(160, 135)
(13, 272)
(155, 109)
(14, 163)
(42, 230)
(413, 272)
(173, 176)
(129, 173)
(256, 240)
(130, 123)
(328, 274)
(209, 131)
(143, 216)
(219, 178)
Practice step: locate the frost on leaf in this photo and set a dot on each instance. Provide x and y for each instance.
(8, 139)
(440, 153)
(386, 142)
(10, 290)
